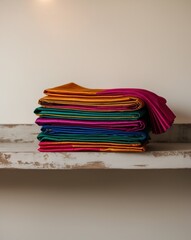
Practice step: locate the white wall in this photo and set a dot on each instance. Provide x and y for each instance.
(95, 43)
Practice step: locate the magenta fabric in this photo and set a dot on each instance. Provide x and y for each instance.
(161, 117)
(128, 126)
(69, 149)
(89, 108)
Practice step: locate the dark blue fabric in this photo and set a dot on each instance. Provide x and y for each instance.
(60, 130)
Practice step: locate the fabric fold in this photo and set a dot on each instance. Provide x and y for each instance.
(75, 118)
(88, 115)
(161, 117)
(128, 126)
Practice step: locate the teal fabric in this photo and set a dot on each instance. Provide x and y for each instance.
(88, 115)
(136, 137)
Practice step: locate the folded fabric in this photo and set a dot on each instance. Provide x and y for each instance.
(127, 126)
(88, 115)
(128, 137)
(49, 129)
(74, 118)
(72, 94)
(92, 146)
(161, 117)
(89, 108)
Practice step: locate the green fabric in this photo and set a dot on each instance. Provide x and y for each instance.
(88, 115)
(92, 137)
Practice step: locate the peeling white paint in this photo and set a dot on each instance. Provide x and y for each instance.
(25, 156)
(20, 152)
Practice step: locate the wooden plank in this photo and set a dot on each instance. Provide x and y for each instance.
(18, 133)
(18, 149)
(27, 133)
(159, 156)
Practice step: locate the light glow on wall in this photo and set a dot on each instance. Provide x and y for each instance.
(45, 1)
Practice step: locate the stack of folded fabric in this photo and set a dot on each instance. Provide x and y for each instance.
(74, 118)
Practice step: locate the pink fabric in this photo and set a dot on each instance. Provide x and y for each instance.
(161, 117)
(69, 149)
(137, 125)
(90, 108)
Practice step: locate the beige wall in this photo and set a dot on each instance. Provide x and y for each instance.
(105, 205)
(95, 43)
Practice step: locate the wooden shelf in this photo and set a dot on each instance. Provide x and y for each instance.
(159, 156)
(18, 150)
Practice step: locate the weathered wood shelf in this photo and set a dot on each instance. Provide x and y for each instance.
(18, 150)
(159, 156)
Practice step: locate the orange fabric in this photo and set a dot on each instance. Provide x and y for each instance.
(103, 147)
(95, 144)
(70, 88)
(72, 94)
